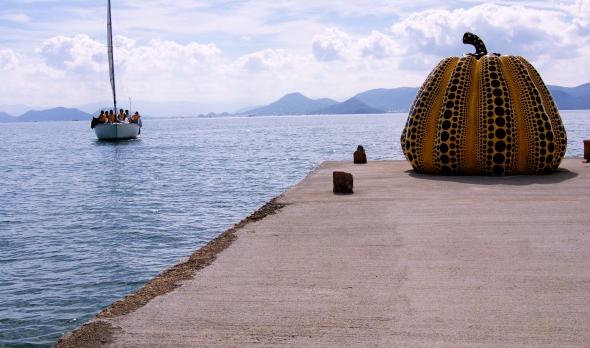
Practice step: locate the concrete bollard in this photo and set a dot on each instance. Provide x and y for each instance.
(342, 182)
(587, 150)
(360, 156)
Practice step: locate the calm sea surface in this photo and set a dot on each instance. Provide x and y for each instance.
(84, 222)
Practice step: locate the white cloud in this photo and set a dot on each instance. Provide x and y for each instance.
(513, 29)
(83, 54)
(379, 45)
(581, 13)
(166, 56)
(331, 45)
(79, 53)
(73, 70)
(550, 38)
(8, 59)
(268, 59)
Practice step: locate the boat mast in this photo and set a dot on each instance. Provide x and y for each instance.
(111, 59)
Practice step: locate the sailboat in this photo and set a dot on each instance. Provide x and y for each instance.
(114, 131)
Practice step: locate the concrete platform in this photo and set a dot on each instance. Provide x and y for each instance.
(407, 260)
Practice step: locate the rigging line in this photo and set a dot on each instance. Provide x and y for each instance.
(110, 54)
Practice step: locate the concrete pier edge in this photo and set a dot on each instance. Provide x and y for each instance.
(97, 332)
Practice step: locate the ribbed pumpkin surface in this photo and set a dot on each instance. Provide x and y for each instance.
(486, 116)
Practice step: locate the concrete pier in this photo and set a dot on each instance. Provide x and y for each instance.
(407, 260)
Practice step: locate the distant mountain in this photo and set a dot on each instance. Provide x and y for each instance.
(400, 99)
(293, 104)
(4, 117)
(389, 100)
(55, 114)
(579, 91)
(350, 106)
(371, 101)
(571, 98)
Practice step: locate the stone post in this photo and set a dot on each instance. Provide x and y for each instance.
(342, 182)
(360, 157)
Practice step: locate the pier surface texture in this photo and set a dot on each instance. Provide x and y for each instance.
(407, 260)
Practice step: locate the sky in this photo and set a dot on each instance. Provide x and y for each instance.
(225, 55)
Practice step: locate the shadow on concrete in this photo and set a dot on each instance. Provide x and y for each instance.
(560, 175)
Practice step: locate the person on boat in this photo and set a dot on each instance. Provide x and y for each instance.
(127, 115)
(121, 117)
(98, 120)
(111, 117)
(135, 118)
(102, 118)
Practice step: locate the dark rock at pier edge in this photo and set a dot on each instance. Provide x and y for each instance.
(343, 182)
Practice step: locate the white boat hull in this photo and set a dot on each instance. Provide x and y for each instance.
(116, 131)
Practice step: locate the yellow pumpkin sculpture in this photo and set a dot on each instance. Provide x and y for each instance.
(484, 114)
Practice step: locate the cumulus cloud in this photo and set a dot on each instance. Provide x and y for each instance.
(379, 45)
(268, 59)
(331, 45)
(191, 54)
(77, 66)
(508, 29)
(581, 13)
(335, 45)
(556, 39)
(8, 59)
(83, 54)
(166, 56)
(79, 53)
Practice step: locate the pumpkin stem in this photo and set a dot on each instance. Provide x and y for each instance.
(480, 48)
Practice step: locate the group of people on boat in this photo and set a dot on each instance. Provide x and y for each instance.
(110, 117)
(122, 117)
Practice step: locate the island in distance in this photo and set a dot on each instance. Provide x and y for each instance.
(374, 101)
(54, 114)
(382, 100)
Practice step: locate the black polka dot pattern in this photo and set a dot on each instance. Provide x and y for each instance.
(496, 131)
(538, 127)
(412, 139)
(450, 139)
(559, 134)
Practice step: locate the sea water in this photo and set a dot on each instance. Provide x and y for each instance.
(84, 222)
